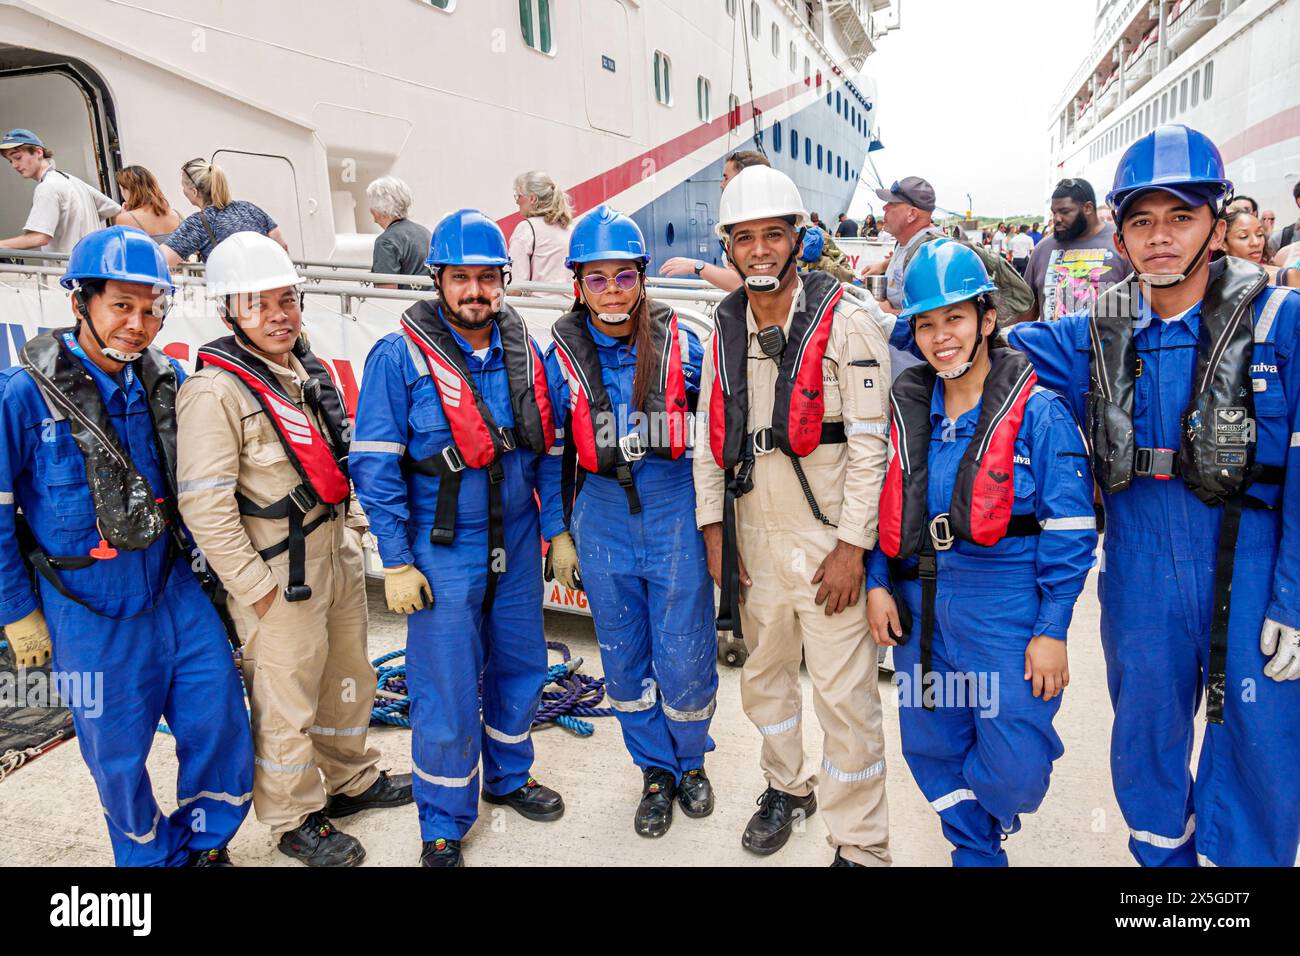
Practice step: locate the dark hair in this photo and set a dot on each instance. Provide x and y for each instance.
(89, 288)
(1080, 190)
(1295, 190)
(983, 302)
(144, 189)
(744, 158)
(1254, 206)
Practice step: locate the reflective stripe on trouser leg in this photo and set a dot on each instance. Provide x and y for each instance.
(1153, 674)
(515, 666)
(1249, 772)
(347, 759)
(208, 718)
(841, 661)
(770, 690)
(444, 657)
(611, 550)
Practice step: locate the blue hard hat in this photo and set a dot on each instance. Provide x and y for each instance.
(943, 272)
(1174, 158)
(124, 253)
(468, 238)
(605, 233)
(20, 137)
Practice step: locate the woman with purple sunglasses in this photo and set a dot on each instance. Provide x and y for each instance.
(624, 377)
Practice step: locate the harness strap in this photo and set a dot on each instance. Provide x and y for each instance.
(293, 507)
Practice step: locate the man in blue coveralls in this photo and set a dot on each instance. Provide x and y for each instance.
(88, 453)
(1186, 379)
(452, 420)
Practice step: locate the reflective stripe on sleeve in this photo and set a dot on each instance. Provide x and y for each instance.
(378, 447)
(203, 484)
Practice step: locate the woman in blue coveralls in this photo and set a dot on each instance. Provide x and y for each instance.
(623, 373)
(988, 569)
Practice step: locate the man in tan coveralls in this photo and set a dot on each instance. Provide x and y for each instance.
(262, 453)
(801, 577)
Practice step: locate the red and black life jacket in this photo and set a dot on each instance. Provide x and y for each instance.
(799, 404)
(591, 428)
(980, 511)
(984, 493)
(321, 462)
(477, 440)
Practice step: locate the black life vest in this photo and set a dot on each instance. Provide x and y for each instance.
(591, 425)
(799, 405)
(321, 463)
(129, 513)
(477, 440)
(1216, 455)
(982, 498)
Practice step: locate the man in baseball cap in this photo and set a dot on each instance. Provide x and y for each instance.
(912, 191)
(909, 204)
(64, 209)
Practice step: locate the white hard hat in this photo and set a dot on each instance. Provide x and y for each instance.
(760, 192)
(249, 262)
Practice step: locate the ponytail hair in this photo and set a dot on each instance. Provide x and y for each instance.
(552, 203)
(209, 181)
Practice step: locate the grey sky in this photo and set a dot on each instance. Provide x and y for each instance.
(965, 90)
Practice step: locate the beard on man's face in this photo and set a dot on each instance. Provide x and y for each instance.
(1074, 230)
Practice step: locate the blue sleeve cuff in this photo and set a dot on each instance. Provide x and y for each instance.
(1053, 619)
(394, 552)
(17, 607)
(1283, 614)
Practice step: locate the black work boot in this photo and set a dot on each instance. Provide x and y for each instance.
(695, 794)
(841, 860)
(441, 852)
(654, 814)
(532, 800)
(394, 791)
(317, 843)
(770, 827)
(218, 857)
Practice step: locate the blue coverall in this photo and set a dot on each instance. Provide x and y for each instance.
(984, 754)
(1157, 587)
(147, 649)
(450, 645)
(646, 577)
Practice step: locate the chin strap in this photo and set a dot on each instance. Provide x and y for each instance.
(770, 283)
(1169, 281)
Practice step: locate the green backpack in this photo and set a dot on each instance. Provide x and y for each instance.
(1014, 295)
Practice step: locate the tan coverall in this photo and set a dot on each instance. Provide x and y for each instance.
(309, 679)
(782, 545)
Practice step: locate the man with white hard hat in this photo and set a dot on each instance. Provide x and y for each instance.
(263, 477)
(796, 369)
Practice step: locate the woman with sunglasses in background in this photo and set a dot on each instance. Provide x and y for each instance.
(624, 376)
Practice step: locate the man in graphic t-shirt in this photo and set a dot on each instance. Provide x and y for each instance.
(1078, 261)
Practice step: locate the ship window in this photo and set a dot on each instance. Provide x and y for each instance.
(819, 79)
(819, 155)
(807, 151)
(1182, 96)
(839, 166)
(794, 58)
(1208, 88)
(776, 136)
(535, 24)
(731, 8)
(702, 90)
(794, 143)
(663, 78)
(733, 111)
(807, 71)
(1196, 87)
(776, 40)
(837, 101)
(443, 4)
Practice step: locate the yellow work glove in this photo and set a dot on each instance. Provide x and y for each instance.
(30, 640)
(406, 589)
(562, 561)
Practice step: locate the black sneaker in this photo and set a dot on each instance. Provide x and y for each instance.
(532, 800)
(317, 843)
(654, 814)
(841, 860)
(394, 791)
(770, 827)
(218, 857)
(695, 794)
(441, 852)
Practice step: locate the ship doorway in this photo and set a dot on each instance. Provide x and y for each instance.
(266, 181)
(67, 105)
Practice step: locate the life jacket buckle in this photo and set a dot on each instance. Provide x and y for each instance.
(508, 440)
(1158, 463)
(763, 441)
(941, 532)
(454, 460)
(632, 447)
(304, 498)
(297, 592)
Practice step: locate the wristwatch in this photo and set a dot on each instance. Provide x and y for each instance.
(699, 266)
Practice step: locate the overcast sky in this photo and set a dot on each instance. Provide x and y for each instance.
(965, 89)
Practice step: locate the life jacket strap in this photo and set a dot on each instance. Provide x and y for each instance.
(1159, 463)
(293, 507)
